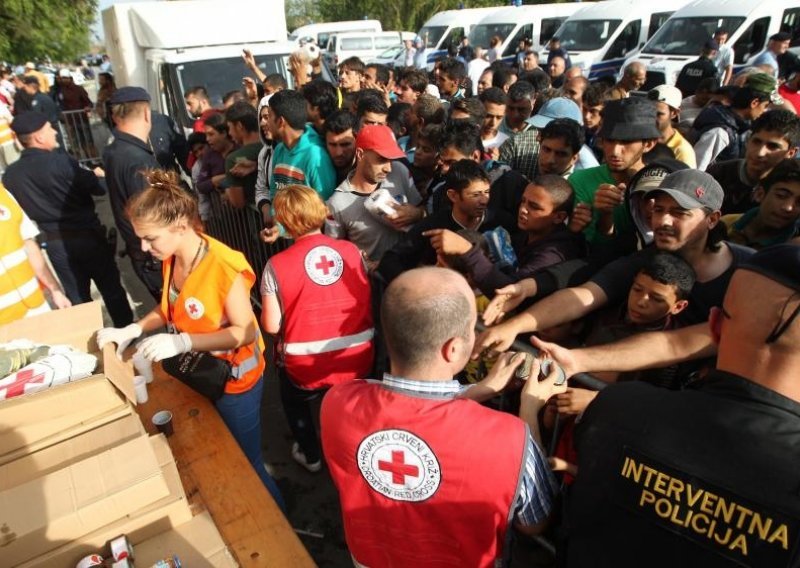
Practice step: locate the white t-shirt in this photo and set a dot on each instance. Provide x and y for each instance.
(495, 142)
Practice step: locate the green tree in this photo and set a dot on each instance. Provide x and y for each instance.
(37, 29)
(302, 12)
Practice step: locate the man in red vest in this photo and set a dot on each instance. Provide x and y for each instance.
(425, 476)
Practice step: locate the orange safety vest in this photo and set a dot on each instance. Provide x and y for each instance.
(20, 292)
(200, 308)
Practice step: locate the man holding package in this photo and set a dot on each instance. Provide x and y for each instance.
(378, 199)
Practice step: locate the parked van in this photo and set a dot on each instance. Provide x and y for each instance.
(320, 33)
(365, 46)
(537, 21)
(599, 37)
(749, 23)
(448, 28)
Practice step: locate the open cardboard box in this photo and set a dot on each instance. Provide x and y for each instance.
(31, 422)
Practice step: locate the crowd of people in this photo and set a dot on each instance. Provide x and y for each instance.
(648, 237)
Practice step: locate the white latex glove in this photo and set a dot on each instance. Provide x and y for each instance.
(164, 346)
(122, 336)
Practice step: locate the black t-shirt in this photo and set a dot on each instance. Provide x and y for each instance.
(616, 279)
(694, 72)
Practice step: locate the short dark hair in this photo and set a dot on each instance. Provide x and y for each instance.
(743, 96)
(707, 85)
(235, 96)
(321, 94)
(538, 78)
(493, 95)
(397, 119)
(353, 64)
(464, 173)
(595, 94)
(472, 106)
(291, 106)
(370, 100)
(521, 90)
(502, 76)
(567, 129)
(196, 138)
(786, 170)
(429, 109)
(671, 270)
(276, 81)
(783, 121)
(340, 121)
(218, 122)
(463, 135)
(417, 79)
(433, 134)
(381, 72)
(453, 68)
(243, 113)
(559, 190)
(199, 92)
(30, 80)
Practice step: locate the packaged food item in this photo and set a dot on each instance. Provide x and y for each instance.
(171, 562)
(89, 561)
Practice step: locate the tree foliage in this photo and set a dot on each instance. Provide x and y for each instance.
(38, 29)
(407, 15)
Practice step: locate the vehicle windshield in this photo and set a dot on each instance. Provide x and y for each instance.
(392, 52)
(482, 34)
(586, 35)
(432, 35)
(686, 36)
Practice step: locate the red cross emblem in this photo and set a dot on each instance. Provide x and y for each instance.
(24, 377)
(324, 265)
(193, 308)
(398, 467)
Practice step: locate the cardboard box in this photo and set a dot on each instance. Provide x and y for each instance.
(142, 524)
(75, 326)
(75, 449)
(67, 504)
(197, 543)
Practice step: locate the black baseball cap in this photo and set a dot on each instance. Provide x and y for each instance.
(629, 119)
(692, 189)
(780, 36)
(129, 95)
(28, 122)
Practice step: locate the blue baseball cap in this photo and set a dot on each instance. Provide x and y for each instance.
(560, 107)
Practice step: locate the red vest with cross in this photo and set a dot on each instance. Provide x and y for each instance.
(326, 300)
(422, 481)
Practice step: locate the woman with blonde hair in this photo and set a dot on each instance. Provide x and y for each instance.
(316, 299)
(206, 306)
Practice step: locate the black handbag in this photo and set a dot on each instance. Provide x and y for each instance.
(199, 370)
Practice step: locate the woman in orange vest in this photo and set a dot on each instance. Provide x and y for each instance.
(316, 298)
(206, 301)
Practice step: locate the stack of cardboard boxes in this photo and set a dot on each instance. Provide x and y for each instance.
(77, 468)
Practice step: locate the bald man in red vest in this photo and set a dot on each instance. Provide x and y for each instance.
(427, 477)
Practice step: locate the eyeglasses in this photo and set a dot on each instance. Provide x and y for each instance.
(781, 326)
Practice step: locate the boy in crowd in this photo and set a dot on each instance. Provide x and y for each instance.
(775, 220)
(452, 73)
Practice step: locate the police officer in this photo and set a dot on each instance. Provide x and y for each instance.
(57, 194)
(701, 68)
(705, 476)
(124, 160)
(169, 143)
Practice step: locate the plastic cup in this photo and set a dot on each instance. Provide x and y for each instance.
(143, 367)
(163, 422)
(140, 388)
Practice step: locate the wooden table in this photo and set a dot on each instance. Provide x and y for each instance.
(218, 478)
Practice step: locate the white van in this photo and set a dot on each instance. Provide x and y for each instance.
(320, 33)
(448, 28)
(749, 24)
(365, 46)
(537, 21)
(599, 37)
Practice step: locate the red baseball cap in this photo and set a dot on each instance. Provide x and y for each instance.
(380, 139)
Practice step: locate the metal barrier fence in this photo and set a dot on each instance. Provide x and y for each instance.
(76, 136)
(239, 228)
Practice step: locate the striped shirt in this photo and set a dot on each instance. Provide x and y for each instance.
(538, 488)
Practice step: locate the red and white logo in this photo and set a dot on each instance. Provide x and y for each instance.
(194, 308)
(324, 265)
(399, 465)
(5, 213)
(699, 192)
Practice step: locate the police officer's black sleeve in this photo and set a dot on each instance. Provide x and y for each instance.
(179, 146)
(85, 180)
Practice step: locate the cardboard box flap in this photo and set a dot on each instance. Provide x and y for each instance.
(67, 504)
(73, 326)
(197, 544)
(119, 372)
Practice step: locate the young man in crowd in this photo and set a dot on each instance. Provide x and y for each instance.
(241, 165)
(593, 102)
(410, 85)
(521, 97)
(774, 136)
(199, 107)
(775, 219)
(370, 109)
(340, 141)
(351, 75)
(555, 69)
(494, 101)
(560, 143)
(724, 57)
(354, 218)
(321, 100)
(668, 109)
(450, 80)
(427, 109)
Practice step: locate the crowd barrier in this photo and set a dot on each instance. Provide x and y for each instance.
(77, 138)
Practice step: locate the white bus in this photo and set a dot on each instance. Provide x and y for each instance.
(599, 37)
(448, 28)
(512, 24)
(321, 32)
(749, 24)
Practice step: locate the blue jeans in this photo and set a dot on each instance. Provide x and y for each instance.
(242, 415)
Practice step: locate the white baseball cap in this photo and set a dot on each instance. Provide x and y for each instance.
(666, 94)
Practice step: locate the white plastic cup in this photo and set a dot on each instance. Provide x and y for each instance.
(140, 388)
(143, 367)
